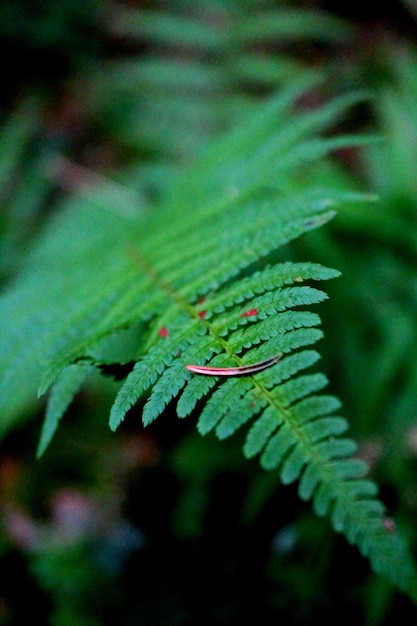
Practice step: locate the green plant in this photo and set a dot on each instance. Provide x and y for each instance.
(24, 187)
(202, 68)
(202, 277)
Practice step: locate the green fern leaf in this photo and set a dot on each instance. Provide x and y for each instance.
(198, 275)
(62, 394)
(228, 394)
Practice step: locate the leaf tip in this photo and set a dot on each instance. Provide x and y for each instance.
(116, 418)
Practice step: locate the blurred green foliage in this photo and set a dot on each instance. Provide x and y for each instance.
(160, 526)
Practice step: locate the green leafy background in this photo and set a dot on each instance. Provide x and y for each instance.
(151, 197)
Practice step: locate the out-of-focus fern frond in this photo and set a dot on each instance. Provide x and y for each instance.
(24, 185)
(210, 64)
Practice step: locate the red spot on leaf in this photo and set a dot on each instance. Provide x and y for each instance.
(389, 525)
(163, 332)
(202, 314)
(250, 313)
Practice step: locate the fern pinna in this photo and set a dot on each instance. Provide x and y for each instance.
(199, 280)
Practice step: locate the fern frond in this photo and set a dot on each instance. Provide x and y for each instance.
(197, 275)
(195, 83)
(24, 188)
